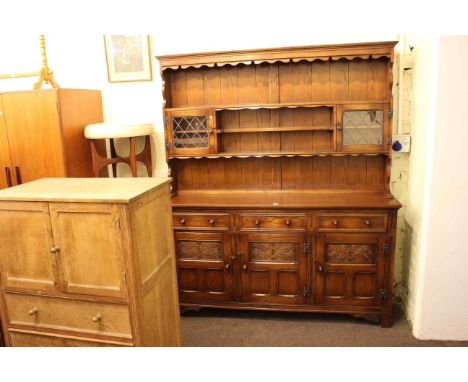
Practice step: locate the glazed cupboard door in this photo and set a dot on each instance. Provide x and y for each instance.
(273, 267)
(89, 248)
(204, 266)
(27, 251)
(350, 269)
(363, 127)
(191, 132)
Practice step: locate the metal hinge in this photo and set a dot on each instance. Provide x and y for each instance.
(306, 248)
(383, 293)
(168, 146)
(306, 291)
(387, 248)
(389, 140)
(390, 113)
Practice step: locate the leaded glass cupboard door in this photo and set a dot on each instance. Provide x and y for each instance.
(191, 132)
(363, 127)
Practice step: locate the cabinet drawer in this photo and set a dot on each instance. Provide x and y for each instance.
(201, 221)
(286, 222)
(66, 314)
(353, 222)
(29, 339)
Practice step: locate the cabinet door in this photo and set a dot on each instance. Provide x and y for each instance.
(5, 160)
(191, 132)
(34, 134)
(363, 127)
(273, 268)
(204, 267)
(90, 252)
(349, 269)
(25, 250)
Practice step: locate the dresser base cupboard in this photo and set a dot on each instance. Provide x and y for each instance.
(87, 262)
(281, 165)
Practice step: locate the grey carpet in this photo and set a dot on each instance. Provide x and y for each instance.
(213, 327)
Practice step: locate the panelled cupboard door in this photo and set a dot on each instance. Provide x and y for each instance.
(273, 267)
(350, 269)
(89, 244)
(204, 266)
(33, 126)
(25, 246)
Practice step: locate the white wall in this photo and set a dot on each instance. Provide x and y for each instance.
(441, 305)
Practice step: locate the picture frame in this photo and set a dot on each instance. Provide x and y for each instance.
(128, 58)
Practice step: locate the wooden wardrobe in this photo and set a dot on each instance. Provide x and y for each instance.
(41, 134)
(281, 165)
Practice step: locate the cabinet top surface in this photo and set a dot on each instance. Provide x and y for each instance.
(114, 190)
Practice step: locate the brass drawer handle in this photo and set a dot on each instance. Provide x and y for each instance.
(244, 267)
(367, 222)
(211, 221)
(97, 317)
(335, 222)
(54, 249)
(288, 222)
(182, 221)
(257, 222)
(33, 311)
(320, 268)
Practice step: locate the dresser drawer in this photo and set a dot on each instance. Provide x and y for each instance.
(201, 221)
(66, 314)
(369, 222)
(30, 339)
(270, 222)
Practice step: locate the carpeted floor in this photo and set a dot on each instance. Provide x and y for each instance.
(212, 327)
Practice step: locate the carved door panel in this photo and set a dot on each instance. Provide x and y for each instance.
(25, 246)
(273, 268)
(89, 248)
(204, 267)
(350, 269)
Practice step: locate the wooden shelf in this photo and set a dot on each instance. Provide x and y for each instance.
(274, 154)
(329, 104)
(273, 129)
(285, 199)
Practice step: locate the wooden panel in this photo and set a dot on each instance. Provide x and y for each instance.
(250, 176)
(377, 79)
(262, 80)
(38, 339)
(212, 86)
(358, 80)
(5, 160)
(178, 89)
(194, 87)
(339, 80)
(301, 81)
(285, 79)
(91, 259)
(79, 108)
(247, 85)
(229, 85)
(33, 126)
(66, 314)
(320, 81)
(26, 237)
(338, 171)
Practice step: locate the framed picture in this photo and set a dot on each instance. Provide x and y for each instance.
(128, 58)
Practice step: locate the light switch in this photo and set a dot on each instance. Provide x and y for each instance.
(401, 143)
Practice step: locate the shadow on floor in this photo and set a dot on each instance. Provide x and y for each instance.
(222, 327)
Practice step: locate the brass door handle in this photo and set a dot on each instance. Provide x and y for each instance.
(320, 268)
(8, 177)
(244, 267)
(97, 317)
(227, 266)
(182, 221)
(33, 311)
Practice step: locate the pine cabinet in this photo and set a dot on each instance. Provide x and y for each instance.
(41, 134)
(281, 165)
(88, 260)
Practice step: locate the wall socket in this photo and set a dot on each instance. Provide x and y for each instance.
(401, 143)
